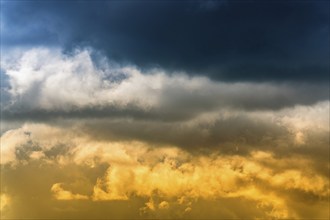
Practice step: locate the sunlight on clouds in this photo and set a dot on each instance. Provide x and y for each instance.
(299, 138)
(302, 117)
(163, 205)
(169, 164)
(9, 141)
(264, 200)
(201, 177)
(169, 177)
(101, 121)
(4, 202)
(37, 155)
(61, 194)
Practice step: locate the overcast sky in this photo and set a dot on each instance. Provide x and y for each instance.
(165, 109)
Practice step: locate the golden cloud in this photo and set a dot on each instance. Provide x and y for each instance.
(61, 194)
(288, 181)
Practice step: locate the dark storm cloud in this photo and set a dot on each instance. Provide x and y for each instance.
(300, 130)
(225, 40)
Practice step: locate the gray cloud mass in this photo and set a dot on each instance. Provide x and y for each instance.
(164, 110)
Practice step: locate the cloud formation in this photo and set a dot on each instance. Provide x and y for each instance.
(112, 109)
(279, 165)
(47, 83)
(224, 40)
(61, 194)
(165, 179)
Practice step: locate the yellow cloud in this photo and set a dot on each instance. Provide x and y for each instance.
(4, 202)
(169, 178)
(61, 194)
(164, 205)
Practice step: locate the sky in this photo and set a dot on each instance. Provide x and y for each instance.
(164, 109)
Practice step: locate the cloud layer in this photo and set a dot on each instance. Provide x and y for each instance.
(47, 83)
(159, 180)
(224, 40)
(221, 111)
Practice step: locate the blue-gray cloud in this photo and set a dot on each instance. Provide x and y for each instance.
(233, 41)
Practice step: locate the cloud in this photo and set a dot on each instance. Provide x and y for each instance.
(61, 194)
(232, 41)
(4, 202)
(123, 122)
(46, 83)
(269, 169)
(164, 180)
(299, 130)
(163, 205)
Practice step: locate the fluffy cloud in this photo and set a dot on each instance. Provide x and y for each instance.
(47, 83)
(4, 201)
(165, 145)
(164, 180)
(61, 194)
(200, 124)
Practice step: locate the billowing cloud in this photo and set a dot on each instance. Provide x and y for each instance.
(116, 110)
(61, 194)
(162, 180)
(45, 83)
(164, 144)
